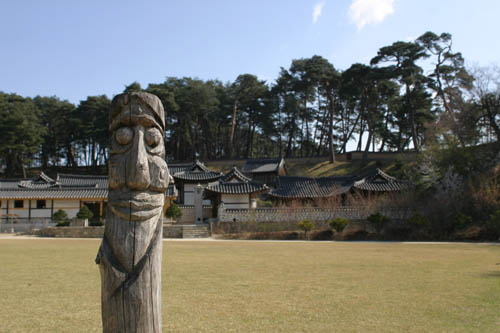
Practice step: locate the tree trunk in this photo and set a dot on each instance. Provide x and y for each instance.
(331, 103)
(344, 144)
(364, 160)
(413, 121)
(361, 132)
(233, 128)
(70, 156)
(491, 107)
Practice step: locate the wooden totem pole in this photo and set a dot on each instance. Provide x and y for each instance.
(131, 251)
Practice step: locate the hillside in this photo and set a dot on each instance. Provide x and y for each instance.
(320, 167)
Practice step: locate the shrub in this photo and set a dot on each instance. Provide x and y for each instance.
(95, 224)
(61, 217)
(378, 221)
(493, 224)
(338, 224)
(264, 203)
(398, 230)
(173, 211)
(306, 226)
(322, 235)
(278, 235)
(418, 221)
(461, 221)
(419, 225)
(84, 213)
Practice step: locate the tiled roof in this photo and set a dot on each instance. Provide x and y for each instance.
(184, 167)
(292, 187)
(174, 168)
(64, 180)
(196, 176)
(235, 175)
(40, 181)
(193, 172)
(235, 182)
(46, 178)
(10, 183)
(54, 193)
(379, 181)
(66, 186)
(69, 180)
(262, 165)
(237, 188)
(32, 184)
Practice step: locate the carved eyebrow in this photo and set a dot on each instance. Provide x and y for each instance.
(125, 118)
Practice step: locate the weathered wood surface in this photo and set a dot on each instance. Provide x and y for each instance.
(131, 252)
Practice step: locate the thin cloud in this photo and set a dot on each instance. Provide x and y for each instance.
(318, 8)
(363, 12)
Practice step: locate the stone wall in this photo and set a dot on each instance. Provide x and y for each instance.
(169, 231)
(188, 214)
(172, 231)
(71, 232)
(218, 228)
(303, 213)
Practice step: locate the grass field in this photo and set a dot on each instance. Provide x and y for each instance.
(51, 285)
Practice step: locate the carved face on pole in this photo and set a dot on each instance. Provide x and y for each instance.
(138, 173)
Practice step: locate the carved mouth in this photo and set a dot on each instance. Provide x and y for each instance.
(135, 206)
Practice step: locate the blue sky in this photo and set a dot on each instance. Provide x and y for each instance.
(73, 49)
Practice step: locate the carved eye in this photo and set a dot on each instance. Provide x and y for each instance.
(124, 136)
(152, 137)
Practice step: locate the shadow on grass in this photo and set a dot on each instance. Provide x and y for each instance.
(492, 274)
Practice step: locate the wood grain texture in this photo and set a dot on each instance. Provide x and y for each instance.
(130, 255)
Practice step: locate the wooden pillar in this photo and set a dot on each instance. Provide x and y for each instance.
(29, 209)
(100, 210)
(7, 211)
(51, 208)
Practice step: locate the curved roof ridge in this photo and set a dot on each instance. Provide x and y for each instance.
(200, 165)
(385, 175)
(73, 175)
(46, 178)
(235, 173)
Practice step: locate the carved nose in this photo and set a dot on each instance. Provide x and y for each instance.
(137, 167)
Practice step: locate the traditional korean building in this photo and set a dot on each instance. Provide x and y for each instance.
(264, 170)
(187, 176)
(307, 190)
(379, 182)
(42, 196)
(234, 190)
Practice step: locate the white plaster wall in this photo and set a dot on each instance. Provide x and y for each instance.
(233, 201)
(189, 194)
(71, 207)
(71, 212)
(20, 212)
(40, 213)
(66, 204)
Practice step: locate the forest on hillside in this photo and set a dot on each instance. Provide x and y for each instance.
(412, 95)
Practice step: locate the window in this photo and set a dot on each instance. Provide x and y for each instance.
(18, 203)
(41, 204)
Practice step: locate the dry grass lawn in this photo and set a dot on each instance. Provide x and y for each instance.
(52, 285)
